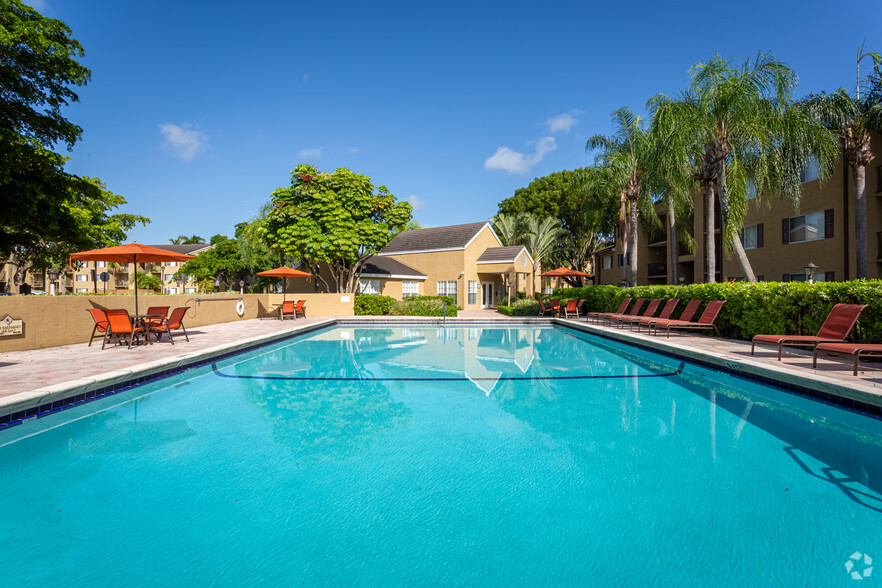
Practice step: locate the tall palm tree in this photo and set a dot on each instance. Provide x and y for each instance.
(741, 123)
(542, 239)
(626, 155)
(853, 119)
(510, 228)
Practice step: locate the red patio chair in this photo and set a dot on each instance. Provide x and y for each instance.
(163, 310)
(175, 321)
(665, 314)
(544, 310)
(119, 326)
(686, 316)
(100, 323)
(706, 321)
(287, 310)
(635, 311)
(572, 307)
(621, 310)
(856, 350)
(650, 310)
(836, 327)
(300, 309)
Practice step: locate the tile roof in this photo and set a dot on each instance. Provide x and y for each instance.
(187, 248)
(433, 239)
(500, 254)
(386, 266)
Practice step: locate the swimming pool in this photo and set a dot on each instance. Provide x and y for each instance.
(516, 455)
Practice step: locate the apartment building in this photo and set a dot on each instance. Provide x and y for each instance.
(779, 239)
(104, 277)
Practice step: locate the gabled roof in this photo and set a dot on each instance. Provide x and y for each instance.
(435, 239)
(502, 254)
(187, 248)
(386, 267)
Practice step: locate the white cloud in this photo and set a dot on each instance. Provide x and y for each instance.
(519, 163)
(352, 150)
(417, 203)
(316, 152)
(184, 140)
(563, 122)
(39, 5)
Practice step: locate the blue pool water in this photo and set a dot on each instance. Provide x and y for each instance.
(504, 456)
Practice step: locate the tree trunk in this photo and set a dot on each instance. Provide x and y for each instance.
(710, 248)
(860, 220)
(673, 254)
(632, 243)
(737, 248)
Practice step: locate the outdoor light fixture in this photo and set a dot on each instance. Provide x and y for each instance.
(53, 273)
(241, 287)
(810, 270)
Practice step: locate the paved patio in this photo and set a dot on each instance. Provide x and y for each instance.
(31, 378)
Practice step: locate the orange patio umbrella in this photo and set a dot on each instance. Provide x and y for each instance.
(131, 253)
(285, 273)
(564, 272)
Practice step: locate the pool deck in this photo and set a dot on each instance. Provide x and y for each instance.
(39, 377)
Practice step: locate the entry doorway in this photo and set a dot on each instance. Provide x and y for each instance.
(487, 295)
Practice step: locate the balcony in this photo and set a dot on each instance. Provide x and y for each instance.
(657, 270)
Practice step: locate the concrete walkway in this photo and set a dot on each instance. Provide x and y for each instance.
(41, 376)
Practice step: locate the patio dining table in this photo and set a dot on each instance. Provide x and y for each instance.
(144, 321)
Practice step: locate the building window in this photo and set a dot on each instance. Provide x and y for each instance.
(371, 286)
(169, 277)
(752, 237)
(170, 290)
(807, 227)
(879, 179)
(606, 262)
(810, 171)
(410, 288)
(750, 192)
(473, 292)
(82, 290)
(82, 278)
(189, 290)
(171, 264)
(100, 264)
(818, 277)
(447, 288)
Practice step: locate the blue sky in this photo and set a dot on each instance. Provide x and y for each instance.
(198, 110)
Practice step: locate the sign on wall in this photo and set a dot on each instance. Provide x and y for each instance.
(10, 326)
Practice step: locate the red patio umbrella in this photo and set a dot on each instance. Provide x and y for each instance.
(284, 273)
(564, 272)
(131, 253)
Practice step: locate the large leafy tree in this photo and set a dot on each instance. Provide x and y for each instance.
(38, 73)
(223, 263)
(339, 219)
(89, 206)
(627, 156)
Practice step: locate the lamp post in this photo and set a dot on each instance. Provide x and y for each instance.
(810, 270)
(180, 282)
(53, 273)
(241, 287)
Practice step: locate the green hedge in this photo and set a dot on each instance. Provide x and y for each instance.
(786, 308)
(523, 307)
(425, 306)
(372, 304)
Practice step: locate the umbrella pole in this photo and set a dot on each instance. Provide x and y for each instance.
(284, 288)
(136, 284)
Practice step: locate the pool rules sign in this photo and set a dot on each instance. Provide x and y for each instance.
(10, 326)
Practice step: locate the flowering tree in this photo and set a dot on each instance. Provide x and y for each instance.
(338, 219)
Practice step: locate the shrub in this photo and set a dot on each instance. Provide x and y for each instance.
(786, 308)
(372, 304)
(425, 306)
(522, 307)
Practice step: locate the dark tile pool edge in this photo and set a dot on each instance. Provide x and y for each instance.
(748, 372)
(45, 409)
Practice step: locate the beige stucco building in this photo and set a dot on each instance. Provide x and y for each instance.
(779, 239)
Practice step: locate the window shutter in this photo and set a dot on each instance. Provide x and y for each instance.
(759, 235)
(785, 231)
(621, 259)
(829, 277)
(785, 278)
(828, 223)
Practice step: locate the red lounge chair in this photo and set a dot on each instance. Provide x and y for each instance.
(100, 323)
(686, 316)
(706, 321)
(287, 310)
(665, 314)
(836, 328)
(300, 309)
(621, 310)
(155, 322)
(119, 326)
(544, 310)
(572, 307)
(635, 310)
(856, 350)
(650, 310)
(175, 321)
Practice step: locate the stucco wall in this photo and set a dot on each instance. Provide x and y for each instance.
(50, 321)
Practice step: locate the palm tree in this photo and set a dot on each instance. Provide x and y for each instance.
(853, 119)
(735, 123)
(542, 239)
(185, 240)
(510, 229)
(626, 155)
